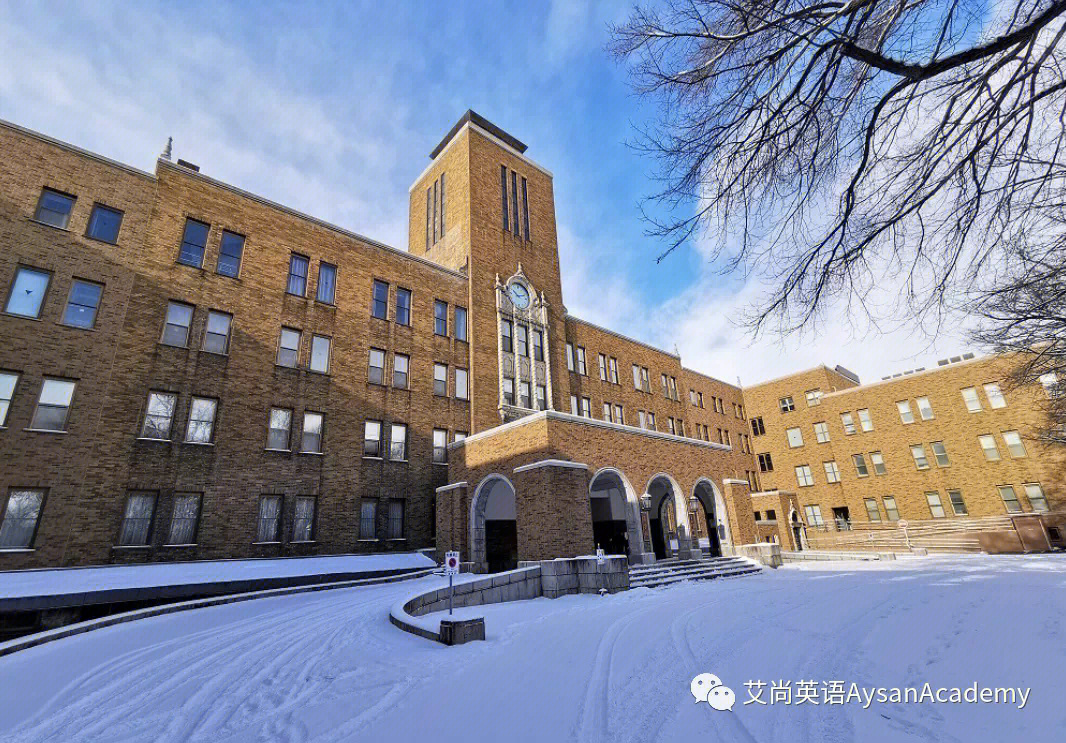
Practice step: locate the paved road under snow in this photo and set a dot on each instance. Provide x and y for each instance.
(329, 667)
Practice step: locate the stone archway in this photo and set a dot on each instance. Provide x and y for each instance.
(668, 518)
(799, 534)
(615, 513)
(719, 535)
(493, 526)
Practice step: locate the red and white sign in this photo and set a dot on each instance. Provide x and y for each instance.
(451, 563)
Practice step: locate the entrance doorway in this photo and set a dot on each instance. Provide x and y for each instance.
(494, 529)
(705, 496)
(607, 501)
(662, 519)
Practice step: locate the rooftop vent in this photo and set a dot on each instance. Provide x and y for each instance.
(189, 165)
(846, 373)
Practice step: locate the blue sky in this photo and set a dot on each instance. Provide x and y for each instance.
(332, 108)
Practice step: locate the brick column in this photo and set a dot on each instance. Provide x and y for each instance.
(737, 495)
(552, 510)
(453, 520)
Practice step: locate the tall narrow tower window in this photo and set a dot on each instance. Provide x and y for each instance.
(525, 208)
(434, 211)
(503, 196)
(429, 217)
(514, 200)
(442, 206)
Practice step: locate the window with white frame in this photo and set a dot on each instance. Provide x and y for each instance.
(507, 338)
(1010, 499)
(1013, 440)
(814, 515)
(82, 304)
(372, 439)
(973, 402)
(832, 471)
(614, 370)
(573, 405)
(303, 519)
(289, 347)
(268, 523)
(936, 508)
(22, 512)
(958, 505)
(920, 460)
(860, 465)
(53, 405)
(311, 441)
(525, 394)
(542, 397)
(995, 396)
(398, 442)
(586, 407)
(1035, 494)
(618, 416)
(159, 415)
(184, 519)
(440, 446)
(878, 462)
(8, 382)
(803, 476)
(27, 292)
(940, 453)
(814, 397)
(137, 520)
(462, 390)
(848, 422)
(905, 414)
(821, 432)
(891, 511)
(216, 332)
(925, 409)
(865, 422)
(440, 380)
(603, 367)
(579, 360)
(989, 447)
(786, 404)
(177, 324)
(642, 419)
(872, 512)
(570, 356)
(368, 519)
(794, 437)
(645, 384)
(607, 412)
(201, 428)
(401, 371)
(521, 340)
(376, 366)
(651, 421)
(279, 427)
(508, 391)
(319, 361)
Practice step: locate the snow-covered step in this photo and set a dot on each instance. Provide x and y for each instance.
(676, 565)
(702, 570)
(682, 578)
(669, 572)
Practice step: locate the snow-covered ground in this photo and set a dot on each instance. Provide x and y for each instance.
(329, 667)
(58, 581)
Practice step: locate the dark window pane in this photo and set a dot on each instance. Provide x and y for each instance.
(403, 306)
(503, 195)
(54, 208)
(81, 307)
(525, 208)
(104, 224)
(440, 318)
(229, 254)
(193, 242)
(460, 323)
(514, 199)
(379, 305)
(327, 283)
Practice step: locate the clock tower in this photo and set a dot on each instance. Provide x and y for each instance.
(484, 208)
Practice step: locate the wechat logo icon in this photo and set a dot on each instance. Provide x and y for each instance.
(709, 688)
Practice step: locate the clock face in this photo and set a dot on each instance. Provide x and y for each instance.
(519, 296)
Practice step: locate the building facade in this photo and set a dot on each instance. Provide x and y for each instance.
(190, 371)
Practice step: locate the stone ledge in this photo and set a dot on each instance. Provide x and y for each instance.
(563, 463)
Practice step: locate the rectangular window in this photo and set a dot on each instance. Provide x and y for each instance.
(1010, 499)
(865, 422)
(832, 471)
(440, 317)
(82, 304)
(440, 446)
(670, 426)
(434, 210)
(8, 381)
(641, 419)
(973, 403)
(401, 365)
(521, 337)
(905, 414)
(230, 250)
(303, 519)
(1033, 491)
(379, 300)
(320, 347)
(925, 409)
(890, 508)
(618, 415)
(579, 359)
(758, 428)
(803, 476)
(573, 405)
(503, 196)
(289, 347)
(372, 439)
(368, 519)
(860, 465)
(507, 337)
(920, 461)
(814, 397)
(636, 376)
(459, 436)
(525, 209)
(940, 453)
(586, 410)
(645, 384)
(398, 442)
(538, 345)
(786, 404)
(766, 462)
(603, 367)
(814, 515)
(27, 292)
(795, 438)
(137, 522)
(159, 415)
(268, 527)
(666, 389)
(821, 432)
(460, 329)
(542, 397)
(21, 515)
(995, 396)
(936, 508)
(53, 208)
(1014, 444)
(989, 447)
(878, 462)
(184, 519)
(614, 370)
(872, 512)
(429, 218)
(298, 268)
(525, 399)
(508, 391)
(177, 324)
(201, 428)
(311, 441)
(958, 505)
(279, 428)
(607, 412)
(396, 519)
(848, 423)
(376, 366)
(53, 405)
(193, 243)
(440, 380)
(462, 390)
(216, 332)
(403, 306)
(104, 224)
(327, 283)
(514, 202)
(441, 206)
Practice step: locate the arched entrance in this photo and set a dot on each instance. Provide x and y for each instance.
(713, 507)
(667, 519)
(493, 528)
(615, 518)
(797, 530)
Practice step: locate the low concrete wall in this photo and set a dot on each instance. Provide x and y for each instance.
(549, 578)
(764, 553)
(823, 556)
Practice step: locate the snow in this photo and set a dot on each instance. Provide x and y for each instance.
(61, 581)
(330, 667)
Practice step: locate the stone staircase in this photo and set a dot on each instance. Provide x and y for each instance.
(668, 572)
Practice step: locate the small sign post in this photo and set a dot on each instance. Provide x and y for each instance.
(451, 569)
(599, 555)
